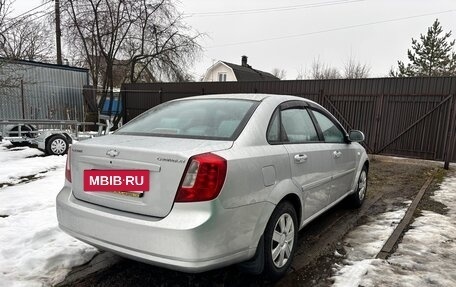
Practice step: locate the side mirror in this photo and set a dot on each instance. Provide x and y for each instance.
(356, 136)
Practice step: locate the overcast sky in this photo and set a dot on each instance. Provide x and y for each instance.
(290, 34)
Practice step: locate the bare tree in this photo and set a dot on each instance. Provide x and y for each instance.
(23, 37)
(355, 70)
(26, 40)
(100, 28)
(160, 44)
(9, 79)
(279, 73)
(81, 38)
(5, 10)
(147, 37)
(301, 73)
(320, 71)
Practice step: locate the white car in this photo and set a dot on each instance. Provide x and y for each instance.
(204, 182)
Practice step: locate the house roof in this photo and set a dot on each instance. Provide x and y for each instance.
(41, 64)
(247, 73)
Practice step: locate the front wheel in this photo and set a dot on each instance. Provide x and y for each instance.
(280, 241)
(357, 198)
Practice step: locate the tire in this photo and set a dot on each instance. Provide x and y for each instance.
(25, 131)
(357, 198)
(19, 144)
(57, 145)
(279, 249)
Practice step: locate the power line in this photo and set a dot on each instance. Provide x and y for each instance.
(44, 14)
(33, 9)
(25, 15)
(271, 9)
(332, 29)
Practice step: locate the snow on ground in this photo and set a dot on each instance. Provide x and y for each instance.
(20, 162)
(33, 250)
(426, 255)
(16, 152)
(363, 244)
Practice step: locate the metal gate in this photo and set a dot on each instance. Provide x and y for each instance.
(405, 125)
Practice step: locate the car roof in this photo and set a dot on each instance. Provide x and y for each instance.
(249, 96)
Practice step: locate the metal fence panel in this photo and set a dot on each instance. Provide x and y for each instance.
(42, 91)
(409, 117)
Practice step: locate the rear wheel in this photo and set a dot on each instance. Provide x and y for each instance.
(280, 240)
(357, 198)
(26, 131)
(57, 145)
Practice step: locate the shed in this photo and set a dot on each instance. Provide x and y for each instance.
(35, 90)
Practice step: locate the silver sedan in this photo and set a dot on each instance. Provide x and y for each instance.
(204, 182)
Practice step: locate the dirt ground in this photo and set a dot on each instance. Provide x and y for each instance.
(391, 182)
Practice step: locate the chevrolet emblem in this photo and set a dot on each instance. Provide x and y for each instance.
(112, 153)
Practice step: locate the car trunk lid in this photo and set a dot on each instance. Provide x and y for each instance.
(165, 159)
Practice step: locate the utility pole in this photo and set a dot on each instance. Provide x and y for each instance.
(58, 33)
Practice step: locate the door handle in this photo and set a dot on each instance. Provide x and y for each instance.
(337, 154)
(300, 158)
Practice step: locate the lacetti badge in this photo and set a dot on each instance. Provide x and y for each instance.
(112, 153)
(116, 180)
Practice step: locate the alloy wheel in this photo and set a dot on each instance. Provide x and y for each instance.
(58, 146)
(282, 240)
(362, 183)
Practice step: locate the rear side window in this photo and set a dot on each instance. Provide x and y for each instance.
(220, 119)
(273, 135)
(298, 126)
(293, 125)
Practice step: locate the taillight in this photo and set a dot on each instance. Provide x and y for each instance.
(203, 178)
(68, 166)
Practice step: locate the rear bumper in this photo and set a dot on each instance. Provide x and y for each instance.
(194, 237)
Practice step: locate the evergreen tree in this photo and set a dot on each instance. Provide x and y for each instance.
(431, 55)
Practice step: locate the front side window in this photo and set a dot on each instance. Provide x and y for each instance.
(294, 125)
(203, 118)
(330, 131)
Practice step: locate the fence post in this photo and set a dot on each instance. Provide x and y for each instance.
(378, 113)
(320, 97)
(160, 96)
(450, 134)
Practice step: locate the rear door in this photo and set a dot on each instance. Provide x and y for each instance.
(310, 164)
(340, 153)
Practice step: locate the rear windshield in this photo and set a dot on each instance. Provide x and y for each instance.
(221, 119)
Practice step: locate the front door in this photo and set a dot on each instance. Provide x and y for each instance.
(342, 156)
